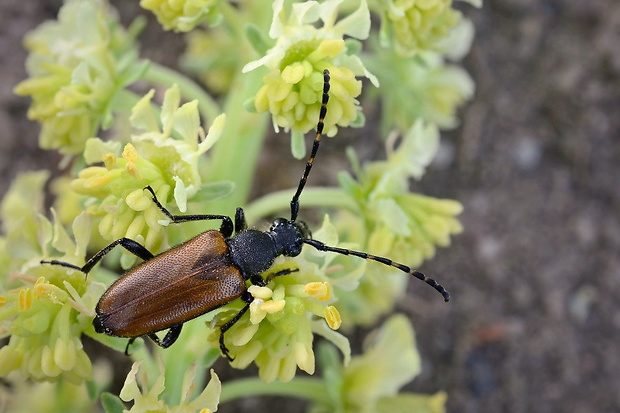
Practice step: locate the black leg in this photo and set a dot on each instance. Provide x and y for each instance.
(130, 245)
(247, 297)
(227, 225)
(129, 343)
(240, 224)
(171, 336)
(261, 282)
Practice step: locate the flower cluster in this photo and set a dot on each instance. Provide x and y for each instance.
(404, 226)
(292, 88)
(371, 381)
(278, 332)
(184, 15)
(400, 224)
(425, 88)
(146, 393)
(414, 26)
(78, 66)
(50, 306)
(166, 159)
(208, 56)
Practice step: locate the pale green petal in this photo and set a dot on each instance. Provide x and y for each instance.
(95, 148)
(61, 241)
(130, 390)
(172, 99)
(356, 24)
(418, 148)
(187, 122)
(305, 13)
(210, 396)
(214, 133)
(357, 66)
(180, 194)
(277, 23)
(389, 361)
(393, 216)
(142, 116)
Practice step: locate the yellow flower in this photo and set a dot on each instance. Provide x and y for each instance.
(164, 158)
(292, 89)
(371, 382)
(145, 392)
(182, 15)
(418, 25)
(278, 333)
(77, 65)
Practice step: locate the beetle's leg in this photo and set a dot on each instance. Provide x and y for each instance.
(248, 298)
(227, 225)
(240, 224)
(129, 343)
(261, 282)
(130, 245)
(170, 337)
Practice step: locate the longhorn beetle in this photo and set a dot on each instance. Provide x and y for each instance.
(208, 271)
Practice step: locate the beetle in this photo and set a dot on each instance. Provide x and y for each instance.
(208, 271)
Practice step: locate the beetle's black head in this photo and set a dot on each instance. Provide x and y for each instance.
(288, 236)
(98, 324)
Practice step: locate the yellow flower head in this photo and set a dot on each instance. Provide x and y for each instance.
(162, 157)
(292, 88)
(77, 64)
(413, 26)
(277, 335)
(183, 15)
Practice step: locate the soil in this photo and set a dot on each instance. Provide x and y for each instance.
(533, 325)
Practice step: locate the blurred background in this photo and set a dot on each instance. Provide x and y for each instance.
(533, 324)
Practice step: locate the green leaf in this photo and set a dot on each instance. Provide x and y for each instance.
(214, 191)
(112, 404)
(256, 39)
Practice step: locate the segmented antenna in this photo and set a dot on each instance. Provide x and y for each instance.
(322, 247)
(315, 147)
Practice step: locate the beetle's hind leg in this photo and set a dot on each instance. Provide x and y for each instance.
(171, 336)
(130, 245)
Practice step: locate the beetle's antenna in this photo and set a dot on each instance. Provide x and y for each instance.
(322, 247)
(315, 146)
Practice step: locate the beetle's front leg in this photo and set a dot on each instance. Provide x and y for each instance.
(227, 225)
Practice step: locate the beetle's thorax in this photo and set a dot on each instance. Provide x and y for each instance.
(252, 251)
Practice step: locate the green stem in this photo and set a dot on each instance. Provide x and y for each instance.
(232, 18)
(275, 202)
(161, 75)
(235, 155)
(304, 388)
(125, 100)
